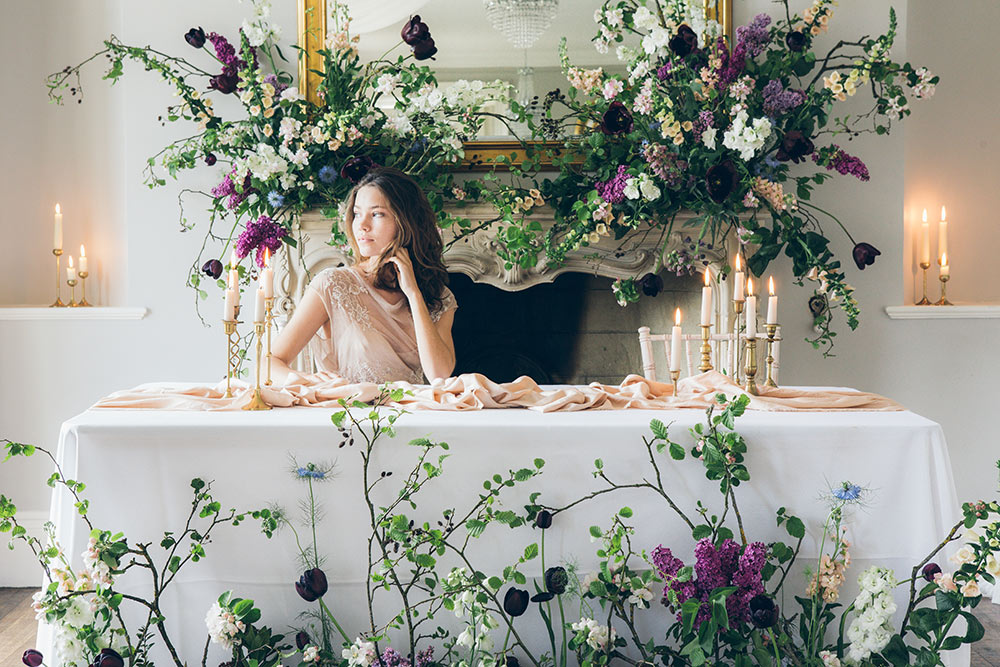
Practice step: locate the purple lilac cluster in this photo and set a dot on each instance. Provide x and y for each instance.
(751, 39)
(714, 568)
(845, 163)
(392, 658)
(663, 73)
(613, 190)
(227, 188)
(259, 234)
(704, 121)
(225, 52)
(688, 259)
(778, 100)
(279, 87)
(665, 164)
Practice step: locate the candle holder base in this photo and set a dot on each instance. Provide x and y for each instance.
(924, 302)
(943, 301)
(83, 303)
(72, 301)
(256, 402)
(751, 367)
(737, 356)
(674, 377)
(58, 303)
(706, 349)
(772, 330)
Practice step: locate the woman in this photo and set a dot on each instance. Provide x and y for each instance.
(389, 316)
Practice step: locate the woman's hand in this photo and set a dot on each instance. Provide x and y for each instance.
(404, 274)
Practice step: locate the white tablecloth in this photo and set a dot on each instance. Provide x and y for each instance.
(138, 465)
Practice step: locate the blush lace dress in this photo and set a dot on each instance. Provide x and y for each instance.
(367, 338)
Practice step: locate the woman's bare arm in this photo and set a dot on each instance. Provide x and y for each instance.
(434, 341)
(309, 316)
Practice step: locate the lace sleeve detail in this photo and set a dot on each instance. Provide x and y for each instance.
(447, 303)
(342, 291)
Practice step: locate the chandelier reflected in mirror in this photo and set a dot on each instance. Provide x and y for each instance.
(521, 21)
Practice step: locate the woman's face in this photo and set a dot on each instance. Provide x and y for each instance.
(374, 224)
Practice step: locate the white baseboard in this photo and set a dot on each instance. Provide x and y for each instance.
(19, 568)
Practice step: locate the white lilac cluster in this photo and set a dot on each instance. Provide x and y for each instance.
(223, 626)
(642, 185)
(360, 653)
(870, 631)
(598, 636)
(746, 138)
(264, 163)
(259, 28)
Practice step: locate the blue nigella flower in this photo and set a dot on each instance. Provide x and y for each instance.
(655, 125)
(275, 199)
(328, 174)
(418, 145)
(306, 472)
(847, 491)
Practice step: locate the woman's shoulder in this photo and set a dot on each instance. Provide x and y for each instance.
(336, 280)
(444, 303)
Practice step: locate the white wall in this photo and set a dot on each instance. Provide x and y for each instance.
(90, 157)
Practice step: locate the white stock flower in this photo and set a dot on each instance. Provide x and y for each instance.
(747, 139)
(79, 612)
(631, 188)
(870, 630)
(265, 162)
(708, 138)
(259, 28)
(648, 188)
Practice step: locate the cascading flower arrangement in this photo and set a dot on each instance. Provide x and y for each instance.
(740, 134)
(286, 154)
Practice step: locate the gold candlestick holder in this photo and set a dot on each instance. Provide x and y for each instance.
(268, 319)
(83, 287)
(232, 349)
(706, 348)
(943, 301)
(674, 377)
(257, 401)
(738, 307)
(751, 366)
(58, 303)
(925, 301)
(72, 285)
(772, 330)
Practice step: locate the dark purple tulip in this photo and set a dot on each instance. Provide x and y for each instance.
(223, 83)
(32, 658)
(543, 519)
(424, 49)
(511, 661)
(556, 580)
(795, 40)
(212, 269)
(617, 119)
(415, 31)
(108, 657)
(763, 612)
(865, 254)
(544, 596)
(721, 180)
(930, 570)
(356, 167)
(210, 159)
(311, 585)
(794, 146)
(515, 602)
(651, 284)
(302, 639)
(685, 41)
(195, 37)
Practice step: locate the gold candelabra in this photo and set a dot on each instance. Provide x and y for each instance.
(772, 330)
(268, 319)
(674, 377)
(58, 303)
(257, 401)
(751, 365)
(738, 307)
(706, 348)
(232, 351)
(925, 301)
(83, 286)
(943, 301)
(72, 285)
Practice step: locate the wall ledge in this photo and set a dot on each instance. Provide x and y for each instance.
(980, 311)
(92, 313)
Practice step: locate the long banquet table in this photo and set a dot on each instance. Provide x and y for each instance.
(137, 465)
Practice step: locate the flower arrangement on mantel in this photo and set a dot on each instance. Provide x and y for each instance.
(286, 155)
(740, 134)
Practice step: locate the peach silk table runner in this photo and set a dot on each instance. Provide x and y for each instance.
(472, 391)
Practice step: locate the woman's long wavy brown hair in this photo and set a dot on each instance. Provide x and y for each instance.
(416, 230)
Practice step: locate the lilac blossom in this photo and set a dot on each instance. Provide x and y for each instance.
(613, 190)
(778, 100)
(392, 658)
(665, 164)
(663, 73)
(833, 157)
(751, 39)
(259, 234)
(227, 188)
(705, 120)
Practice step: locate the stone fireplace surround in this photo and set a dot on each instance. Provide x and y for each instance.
(559, 326)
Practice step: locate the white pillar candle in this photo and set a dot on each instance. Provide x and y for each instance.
(234, 273)
(945, 269)
(258, 311)
(925, 241)
(267, 276)
(70, 271)
(57, 238)
(751, 311)
(675, 342)
(83, 259)
(706, 300)
(229, 311)
(739, 290)
(943, 235)
(772, 303)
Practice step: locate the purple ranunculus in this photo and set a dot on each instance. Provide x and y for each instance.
(195, 37)
(930, 570)
(356, 167)
(796, 40)
(865, 254)
(424, 49)
(684, 41)
(415, 31)
(651, 284)
(617, 119)
(213, 269)
(311, 585)
(721, 180)
(32, 658)
(515, 602)
(794, 146)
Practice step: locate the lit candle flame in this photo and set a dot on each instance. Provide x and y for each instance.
(708, 276)
(71, 261)
(925, 215)
(677, 317)
(770, 285)
(738, 265)
(58, 210)
(267, 256)
(83, 251)
(232, 260)
(942, 214)
(944, 259)
(749, 286)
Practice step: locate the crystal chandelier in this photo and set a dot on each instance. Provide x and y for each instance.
(521, 21)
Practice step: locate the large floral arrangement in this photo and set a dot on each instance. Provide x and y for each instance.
(722, 605)
(740, 134)
(284, 154)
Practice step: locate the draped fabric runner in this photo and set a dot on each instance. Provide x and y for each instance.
(472, 391)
